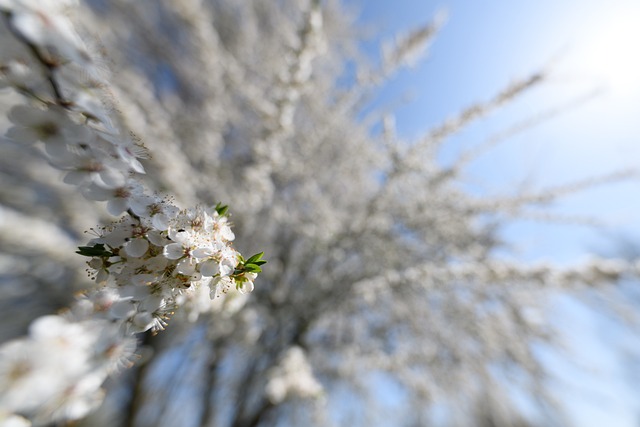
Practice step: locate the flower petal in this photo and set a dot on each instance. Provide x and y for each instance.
(117, 206)
(173, 251)
(201, 253)
(209, 268)
(186, 267)
(246, 287)
(136, 247)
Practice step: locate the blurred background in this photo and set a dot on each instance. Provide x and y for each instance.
(589, 49)
(587, 46)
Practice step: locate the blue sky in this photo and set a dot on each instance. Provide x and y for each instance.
(593, 47)
(486, 44)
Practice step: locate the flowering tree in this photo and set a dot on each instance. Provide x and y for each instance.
(380, 267)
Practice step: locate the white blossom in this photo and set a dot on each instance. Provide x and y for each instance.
(144, 265)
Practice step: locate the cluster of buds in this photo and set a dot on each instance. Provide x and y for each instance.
(145, 265)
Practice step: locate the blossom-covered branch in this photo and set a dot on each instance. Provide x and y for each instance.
(146, 265)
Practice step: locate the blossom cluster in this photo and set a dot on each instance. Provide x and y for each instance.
(57, 371)
(145, 265)
(150, 268)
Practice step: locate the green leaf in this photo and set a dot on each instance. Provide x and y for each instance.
(221, 209)
(252, 268)
(255, 258)
(96, 250)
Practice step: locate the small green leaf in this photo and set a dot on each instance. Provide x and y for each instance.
(255, 258)
(96, 250)
(252, 268)
(221, 209)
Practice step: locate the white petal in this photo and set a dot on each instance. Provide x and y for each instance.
(56, 148)
(173, 251)
(140, 205)
(160, 222)
(127, 156)
(46, 326)
(117, 206)
(201, 253)
(102, 277)
(136, 247)
(88, 102)
(186, 267)
(135, 293)
(142, 322)
(30, 25)
(74, 177)
(22, 134)
(227, 233)
(246, 287)
(209, 268)
(93, 192)
(179, 236)
(157, 238)
(171, 211)
(226, 268)
(18, 114)
(110, 178)
(122, 309)
(151, 303)
(221, 285)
